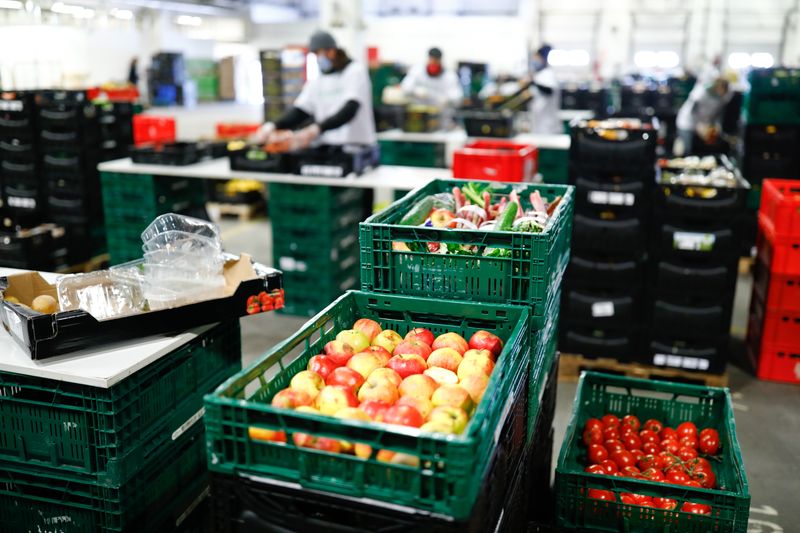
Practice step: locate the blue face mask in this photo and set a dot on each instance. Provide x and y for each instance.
(537, 64)
(325, 64)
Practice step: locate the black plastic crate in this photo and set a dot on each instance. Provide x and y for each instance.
(688, 192)
(23, 198)
(17, 150)
(29, 248)
(627, 196)
(695, 236)
(19, 174)
(604, 308)
(421, 119)
(779, 138)
(488, 123)
(255, 159)
(691, 315)
(388, 117)
(70, 183)
(614, 149)
(177, 154)
(637, 98)
(612, 176)
(757, 165)
(701, 355)
(694, 274)
(608, 232)
(77, 117)
(17, 115)
(590, 269)
(336, 161)
(621, 344)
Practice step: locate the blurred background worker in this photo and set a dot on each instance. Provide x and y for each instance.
(546, 94)
(432, 84)
(701, 116)
(338, 104)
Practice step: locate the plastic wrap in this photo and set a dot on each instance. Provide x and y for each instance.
(103, 294)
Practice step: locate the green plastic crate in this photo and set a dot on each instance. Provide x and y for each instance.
(528, 277)
(554, 165)
(781, 108)
(207, 88)
(306, 294)
(157, 498)
(413, 154)
(451, 466)
(672, 403)
(779, 80)
(149, 195)
(754, 197)
(108, 433)
(542, 361)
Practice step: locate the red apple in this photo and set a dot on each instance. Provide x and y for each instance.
(388, 375)
(418, 386)
(322, 365)
(331, 399)
(403, 415)
(452, 396)
(483, 340)
(324, 444)
(475, 362)
(368, 327)
(378, 389)
(406, 365)
(339, 352)
(374, 409)
(451, 340)
(380, 352)
(364, 363)
(266, 434)
(346, 377)
(291, 398)
(421, 334)
(422, 405)
(413, 346)
(387, 339)
(307, 381)
(447, 358)
(476, 385)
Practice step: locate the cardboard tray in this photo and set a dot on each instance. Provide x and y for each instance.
(250, 287)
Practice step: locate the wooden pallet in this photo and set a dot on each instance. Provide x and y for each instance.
(243, 212)
(571, 366)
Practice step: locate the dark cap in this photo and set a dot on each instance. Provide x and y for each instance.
(435, 53)
(544, 51)
(321, 40)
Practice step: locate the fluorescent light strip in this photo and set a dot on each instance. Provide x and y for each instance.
(188, 20)
(10, 4)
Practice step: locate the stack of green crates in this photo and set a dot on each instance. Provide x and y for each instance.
(132, 201)
(204, 73)
(315, 243)
(130, 457)
(774, 96)
(413, 154)
(554, 165)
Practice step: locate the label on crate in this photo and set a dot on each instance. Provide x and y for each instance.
(328, 171)
(681, 361)
(696, 242)
(22, 203)
(611, 198)
(10, 105)
(189, 423)
(602, 309)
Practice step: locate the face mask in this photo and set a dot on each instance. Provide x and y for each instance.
(325, 64)
(537, 64)
(434, 69)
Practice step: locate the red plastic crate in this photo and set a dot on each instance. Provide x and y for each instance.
(236, 130)
(120, 94)
(780, 207)
(151, 129)
(782, 255)
(496, 161)
(780, 291)
(776, 362)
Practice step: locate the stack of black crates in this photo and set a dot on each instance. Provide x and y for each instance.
(612, 165)
(273, 84)
(166, 76)
(694, 246)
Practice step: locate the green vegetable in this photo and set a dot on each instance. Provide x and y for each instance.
(419, 213)
(505, 220)
(474, 193)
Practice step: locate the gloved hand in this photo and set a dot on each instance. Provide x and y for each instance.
(279, 141)
(304, 137)
(263, 133)
(420, 92)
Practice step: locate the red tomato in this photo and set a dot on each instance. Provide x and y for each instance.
(686, 453)
(692, 483)
(592, 436)
(649, 461)
(623, 458)
(630, 421)
(695, 508)
(632, 442)
(668, 433)
(610, 421)
(613, 445)
(595, 469)
(593, 423)
(611, 433)
(627, 498)
(647, 435)
(705, 477)
(653, 474)
(671, 446)
(597, 453)
(708, 432)
(606, 495)
(709, 444)
(609, 466)
(627, 431)
(689, 442)
(667, 460)
(651, 448)
(631, 471)
(698, 463)
(677, 477)
(636, 499)
(686, 429)
(665, 503)
(653, 425)
(637, 454)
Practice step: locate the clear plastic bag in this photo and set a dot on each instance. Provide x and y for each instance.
(173, 222)
(103, 294)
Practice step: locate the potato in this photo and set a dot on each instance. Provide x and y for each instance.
(45, 304)
(11, 299)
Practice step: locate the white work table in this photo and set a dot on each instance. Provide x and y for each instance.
(102, 367)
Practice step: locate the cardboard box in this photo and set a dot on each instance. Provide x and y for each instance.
(227, 78)
(250, 288)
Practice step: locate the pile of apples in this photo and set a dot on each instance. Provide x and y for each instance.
(372, 374)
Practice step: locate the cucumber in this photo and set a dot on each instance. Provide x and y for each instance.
(419, 213)
(505, 221)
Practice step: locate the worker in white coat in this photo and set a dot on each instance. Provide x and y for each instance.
(433, 84)
(701, 115)
(338, 104)
(546, 94)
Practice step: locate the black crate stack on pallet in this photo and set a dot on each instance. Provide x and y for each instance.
(273, 84)
(612, 165)
(166, 76)
(694, 248)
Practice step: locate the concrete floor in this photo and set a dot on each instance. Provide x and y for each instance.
(767, 414)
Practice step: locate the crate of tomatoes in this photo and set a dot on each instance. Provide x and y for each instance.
(385, 398)
(642, 455)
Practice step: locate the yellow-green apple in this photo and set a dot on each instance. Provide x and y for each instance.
(407, 364)
(403, 415)
(479, 354)
(266, 434)
(452, 396)
(421, 334)
(447, 358)
(387, 339)
(339, 352)
(398, 458)
(387, 374)
(364, 363)
(379, 389)
(477, 363)
(413, 346)
(442, 376)
(309, 410)
(484, 340)
(368, 327)
(291, 398)
(332, 398)
(476, 385)
(422, 405)
(354, 338)
(457, 418)
(380, 352)
(307, 381)
(450, 340)
(436, 427)
(374, 409)
(346, 377)
(350, 413)
(322, 365)
(418, 386)
(362, 451)
(440, 218)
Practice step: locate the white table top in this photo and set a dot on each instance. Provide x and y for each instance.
(570, 114)
(384, 176)
(558, 141)
(553, 141)
(99, 367)
(458, 136)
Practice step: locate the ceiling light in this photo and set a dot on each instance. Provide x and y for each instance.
(122, 14)
(79, 12)
(188, 20)
(10, 4)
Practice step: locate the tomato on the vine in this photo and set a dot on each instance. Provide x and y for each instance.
(678, 477)
(606, 495)
(653, 425)
(593, 423)
(592, 436)
(631, 421)
(671, 446)
(708, 432)
(609, 466)
(613, 445)
(610, 421)
(696, 508)
(653, 474)
(649, 461)
(632, 442)
(692, 483)
(595, 469)
(668, 460)
(637, 454)
(709, 444)
(686, 429)
(705, 477)
(689, 442)
(611, 433)
(651, 448)
(668, 433)
(665, 503)
(623, 458)
(630, 471)
(597, 453)
(686, 453)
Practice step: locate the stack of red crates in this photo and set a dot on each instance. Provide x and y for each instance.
(774, 330)
(496, 161)
(151, 129)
